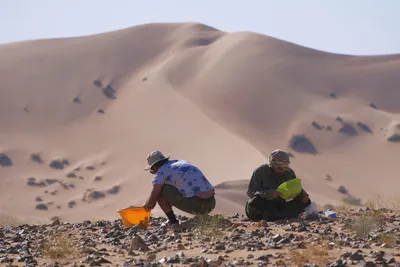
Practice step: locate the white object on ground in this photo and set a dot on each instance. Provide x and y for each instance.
(311, 209)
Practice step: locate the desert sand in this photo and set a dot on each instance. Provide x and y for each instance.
(99, 104)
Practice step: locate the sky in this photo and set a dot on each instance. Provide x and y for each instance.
(356, 27)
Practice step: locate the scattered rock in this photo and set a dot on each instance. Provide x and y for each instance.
(100, 110)
(51, 181)
(76, 100)
(71, 175)
(339, 119)
(138, 244)
(348, 129)
(328, 128)
(364, 127)
(135, 246)
(109, 92)
(393, 138)
(351, 200)
(302, 144)
(5, 161)
(31, 181)
(55, 220)
(38, 199)
(97, 83)
(113, 190)
(96, 195)
(332, 95)
(356, 256)
(328, 177)
(36, 158)
(220, 247)
(368, 264)
(41, 206)
(90, 168)
(71, 204)
(316, 125)
(57, 164)
(97, 178)
(343, 190)
(372, 105)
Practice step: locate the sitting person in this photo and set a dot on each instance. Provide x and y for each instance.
(265, 202)
(177, 183)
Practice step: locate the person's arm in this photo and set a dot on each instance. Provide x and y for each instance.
(158, 183)
(255, 188)
(152, 199)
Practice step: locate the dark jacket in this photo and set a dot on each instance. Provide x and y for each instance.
(265, 181)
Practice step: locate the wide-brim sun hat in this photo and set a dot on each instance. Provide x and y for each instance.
(154, 157)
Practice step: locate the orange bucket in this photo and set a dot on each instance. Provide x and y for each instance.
(135, 216)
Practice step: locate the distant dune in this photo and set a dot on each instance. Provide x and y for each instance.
(79, 115)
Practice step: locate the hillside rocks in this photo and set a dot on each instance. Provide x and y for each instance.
(348, 129)
(5, 161)
(41, 206)
(237, 243)
(109, 92)
(59, 164)
(36, 158)
(31, 181)
(300, 143)
(395, 133)
(113, 190)
(394, 138)
(364, 127)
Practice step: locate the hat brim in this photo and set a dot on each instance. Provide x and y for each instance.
(148, 167)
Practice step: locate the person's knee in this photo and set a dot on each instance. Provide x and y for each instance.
(166, 190)
(161, 198)
(255, 202)
(207, 208)
(252, 210)
(294, 208)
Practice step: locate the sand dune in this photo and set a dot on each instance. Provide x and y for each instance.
(221, 100)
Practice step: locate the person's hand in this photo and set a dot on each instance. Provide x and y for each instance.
(305, 198)
(146, 207)
(276, 195)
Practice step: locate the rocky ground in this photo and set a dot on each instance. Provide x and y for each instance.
(355, 238)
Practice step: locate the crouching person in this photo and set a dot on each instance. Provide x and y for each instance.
(265, 202)
(180, 184)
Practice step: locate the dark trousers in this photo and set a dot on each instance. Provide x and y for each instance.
(258, 209)
(193, 205)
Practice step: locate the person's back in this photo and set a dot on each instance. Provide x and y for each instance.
(180, 184)
(184, 176)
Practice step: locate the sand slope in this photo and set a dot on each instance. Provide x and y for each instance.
(221, 100)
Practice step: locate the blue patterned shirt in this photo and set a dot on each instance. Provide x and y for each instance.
(187, 178)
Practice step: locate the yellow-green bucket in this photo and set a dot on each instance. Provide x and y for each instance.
(290, 189)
